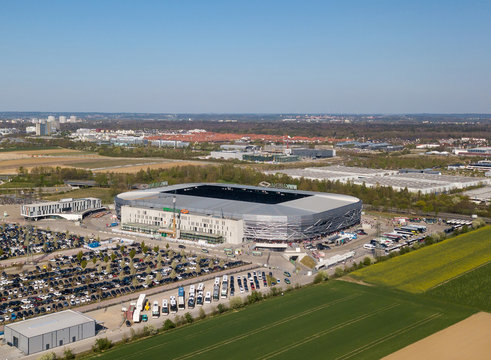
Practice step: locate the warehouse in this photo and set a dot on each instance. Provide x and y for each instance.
(49, 331)
(226, 213)
(424, 181)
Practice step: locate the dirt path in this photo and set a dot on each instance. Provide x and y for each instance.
(468, 339)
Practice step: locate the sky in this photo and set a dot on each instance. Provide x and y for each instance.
(246, 56)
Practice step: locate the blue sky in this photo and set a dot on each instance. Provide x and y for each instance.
(246, 56)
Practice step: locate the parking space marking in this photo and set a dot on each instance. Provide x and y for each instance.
(390, 336)
(327, 331)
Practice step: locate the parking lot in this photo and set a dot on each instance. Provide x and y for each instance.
(17, 240)
(72, 280)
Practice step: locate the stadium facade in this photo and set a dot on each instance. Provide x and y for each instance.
(218, 213)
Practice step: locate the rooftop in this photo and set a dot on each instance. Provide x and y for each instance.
(48, 323)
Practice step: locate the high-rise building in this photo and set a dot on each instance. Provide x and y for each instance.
(73, 118)
(62, 119)
(42, 128)
(51, 118)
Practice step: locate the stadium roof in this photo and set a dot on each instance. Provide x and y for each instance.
(237, 201)
(48, 323)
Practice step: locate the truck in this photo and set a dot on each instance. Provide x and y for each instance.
(155, 309)
(173, 304)
(181, 301)
(141, 302)
(137, 315)
(112, 224)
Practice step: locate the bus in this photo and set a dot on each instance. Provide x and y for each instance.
(224, 286)
(181, 301)
(141, 302)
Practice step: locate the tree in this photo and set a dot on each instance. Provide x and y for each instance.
(106, 258)
(189, 318)
(113, 256)
(108, 267)
(167, 246)
(83, 264)
(198, 269)
(132, 253)
(173, 274)
(80, 255)
(94, 260)
(156, 249)
(134, 282)
(338, 272)
(168, 324)
(367, 261)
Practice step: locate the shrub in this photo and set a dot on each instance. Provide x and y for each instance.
(168, 324)
(338, 272)
(49, 356)
(221, 308)
(202, 313)
(149, 330)
(68, 354)
(102, 344)
(188, 317)
(367, 261)
(235, 302)
(320, 276)
(254, 297)
(179, 320)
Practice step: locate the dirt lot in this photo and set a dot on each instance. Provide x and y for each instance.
(468, 339)
(12, 160)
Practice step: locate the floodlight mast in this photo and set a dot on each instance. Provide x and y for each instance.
(174, 216)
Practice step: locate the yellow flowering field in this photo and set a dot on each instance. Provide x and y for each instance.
(425, 268)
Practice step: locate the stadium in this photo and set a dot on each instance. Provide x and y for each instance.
(218, 213)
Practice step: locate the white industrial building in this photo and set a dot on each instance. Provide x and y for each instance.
(414, 181)
(70, 209)
(46, 332)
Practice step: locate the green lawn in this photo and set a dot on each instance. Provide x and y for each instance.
(335, 320)
(472, 288)
(423, 269)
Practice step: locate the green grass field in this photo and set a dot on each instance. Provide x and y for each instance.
(335, 320)
(108, 162)
(472, 289)
(423, 269)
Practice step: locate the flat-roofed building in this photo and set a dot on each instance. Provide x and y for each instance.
(70, 209)
(49, 331)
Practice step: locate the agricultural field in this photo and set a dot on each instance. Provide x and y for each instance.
(423, 269)
(335, 320)
(472, 288)
(11, 161)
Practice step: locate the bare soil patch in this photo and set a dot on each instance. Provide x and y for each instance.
(468, 339)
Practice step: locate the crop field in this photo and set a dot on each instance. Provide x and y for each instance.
(335, 320)
(11, 161)
(472, 288)
(423, 269)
